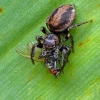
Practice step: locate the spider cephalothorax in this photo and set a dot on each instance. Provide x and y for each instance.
(50, 41)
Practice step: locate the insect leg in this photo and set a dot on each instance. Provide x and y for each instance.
(65, 54)
(44, 30)
(79, 24)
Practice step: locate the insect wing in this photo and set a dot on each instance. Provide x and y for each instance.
(26, 52)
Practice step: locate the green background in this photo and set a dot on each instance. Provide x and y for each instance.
(20, 23)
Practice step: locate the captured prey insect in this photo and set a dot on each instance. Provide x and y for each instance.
(26, 51)
(53, 52)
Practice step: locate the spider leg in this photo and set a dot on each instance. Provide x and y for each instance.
(71, 40)
(65, 54)
(39, 45)
(44, 30)
(79, 24)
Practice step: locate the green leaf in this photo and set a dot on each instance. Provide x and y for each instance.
(20, 23)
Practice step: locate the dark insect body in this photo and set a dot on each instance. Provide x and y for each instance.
(54, 53)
